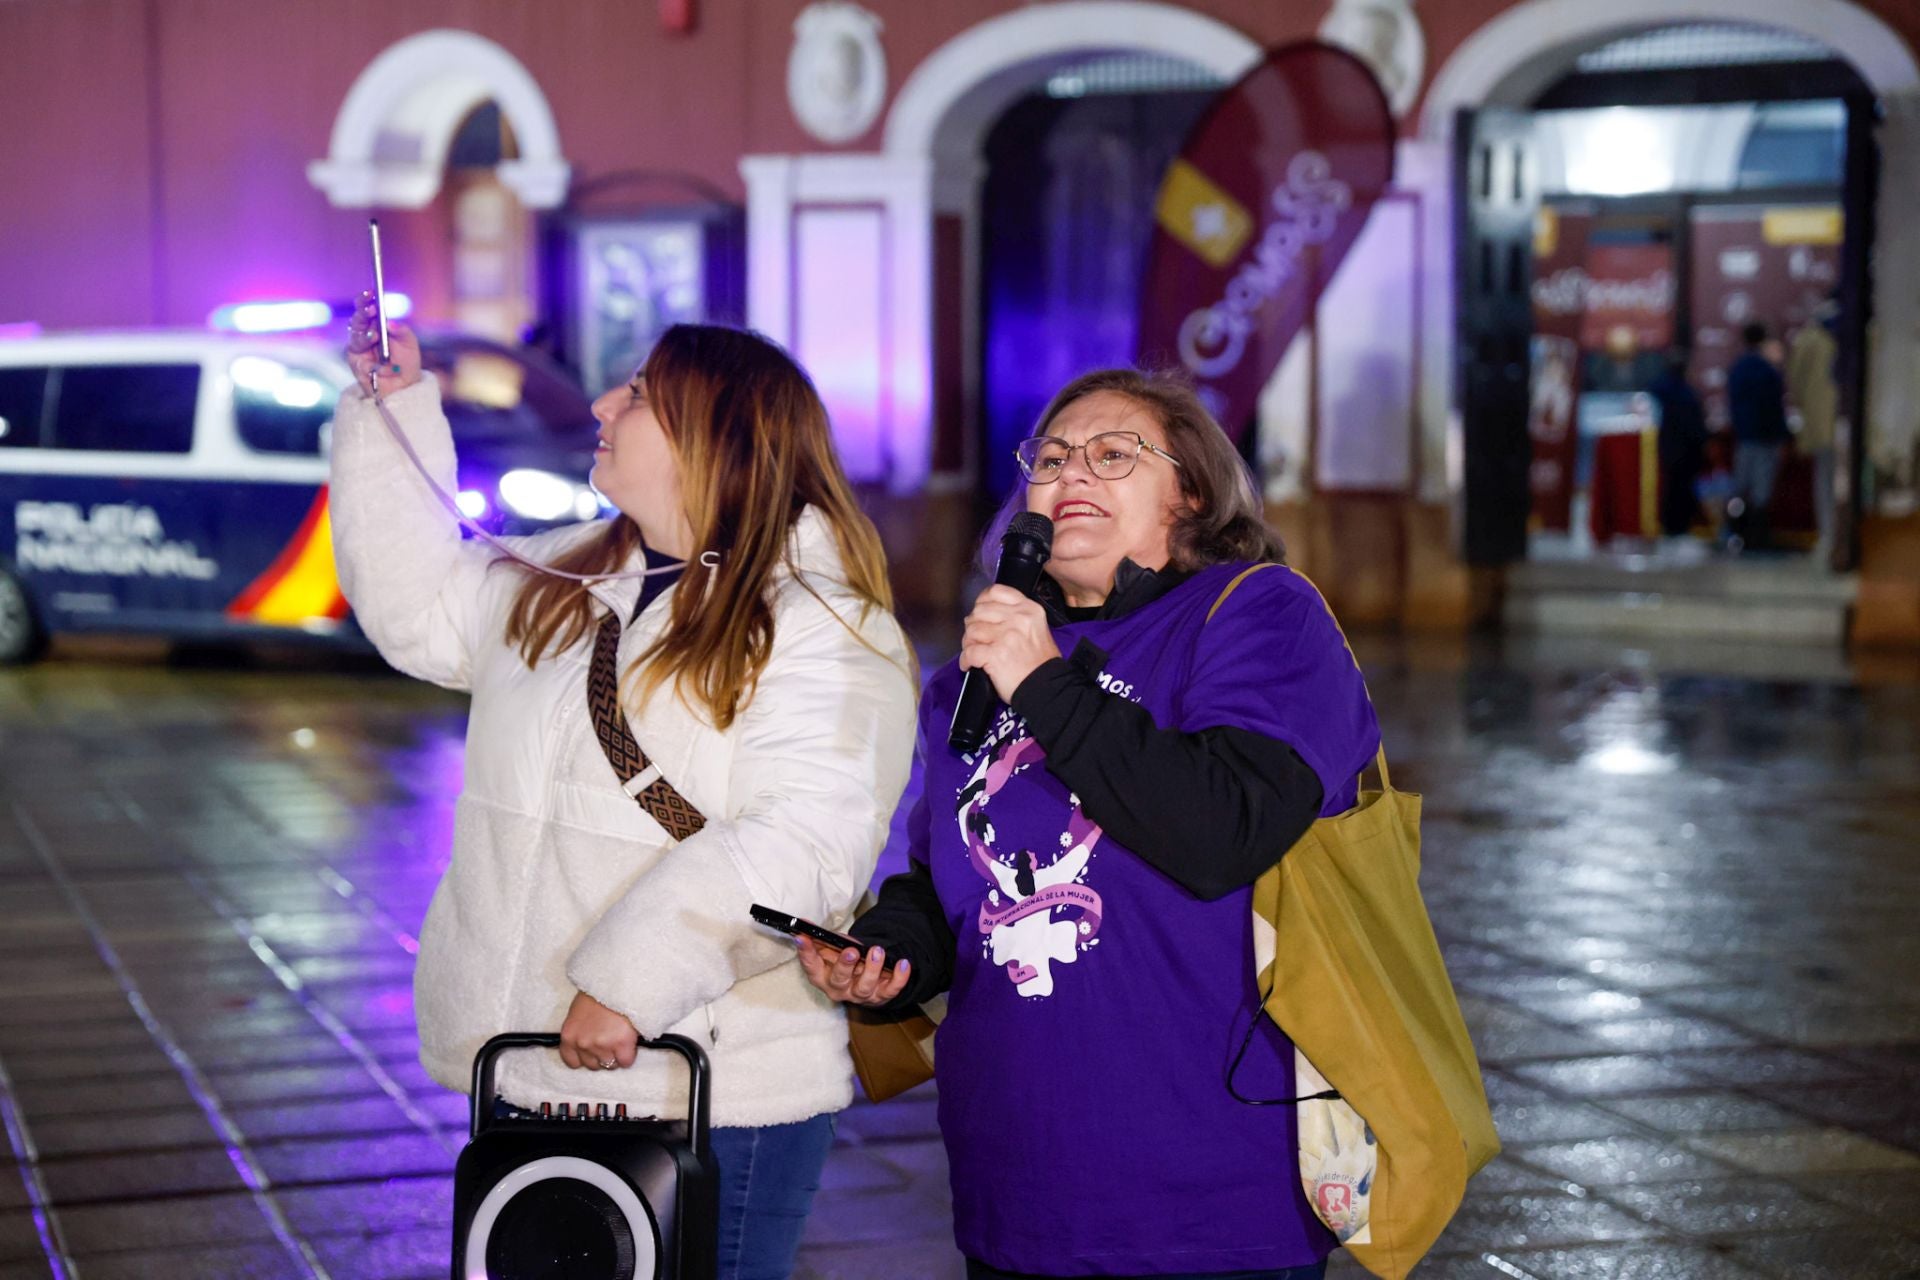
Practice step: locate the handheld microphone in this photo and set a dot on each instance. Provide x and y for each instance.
(1023, 552)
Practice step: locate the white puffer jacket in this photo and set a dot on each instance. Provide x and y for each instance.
(559, 880)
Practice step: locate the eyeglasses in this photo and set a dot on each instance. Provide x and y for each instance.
(1111, 455)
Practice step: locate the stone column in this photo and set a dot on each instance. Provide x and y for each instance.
(1893, 368)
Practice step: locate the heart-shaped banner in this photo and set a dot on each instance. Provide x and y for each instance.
(1255, 215)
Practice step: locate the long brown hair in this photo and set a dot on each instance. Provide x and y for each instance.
(1223, 521)
(754, 451)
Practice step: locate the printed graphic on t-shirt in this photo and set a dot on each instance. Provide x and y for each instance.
(1036, 914)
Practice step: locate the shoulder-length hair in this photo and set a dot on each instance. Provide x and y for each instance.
(1224, 520)
(754, 450)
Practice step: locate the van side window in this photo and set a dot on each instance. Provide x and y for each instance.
(280, 408)
(23, 398)
(128, 408)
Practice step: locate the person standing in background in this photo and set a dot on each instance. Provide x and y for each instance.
(1683, 444)
(1756, 401)
(1816, 398)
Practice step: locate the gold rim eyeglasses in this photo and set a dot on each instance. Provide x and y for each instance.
(1111, 455)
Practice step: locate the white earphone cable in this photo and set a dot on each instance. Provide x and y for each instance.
(711, 559)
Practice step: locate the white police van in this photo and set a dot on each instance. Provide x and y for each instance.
(175, 483)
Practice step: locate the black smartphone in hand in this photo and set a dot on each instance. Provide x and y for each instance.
(805, 928)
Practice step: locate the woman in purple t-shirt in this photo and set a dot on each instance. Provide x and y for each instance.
(1081, 885)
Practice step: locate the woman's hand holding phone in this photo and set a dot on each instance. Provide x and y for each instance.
(848, 977)
(401, 369)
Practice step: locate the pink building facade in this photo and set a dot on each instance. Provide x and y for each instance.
(167, 159)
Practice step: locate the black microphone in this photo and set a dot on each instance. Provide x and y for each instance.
(1023, 552)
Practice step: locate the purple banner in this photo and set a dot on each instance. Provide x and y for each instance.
(1255, 215)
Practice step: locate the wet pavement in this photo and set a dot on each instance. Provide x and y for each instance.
(1678, 906)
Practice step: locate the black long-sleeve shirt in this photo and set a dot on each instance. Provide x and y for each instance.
(1212, 809)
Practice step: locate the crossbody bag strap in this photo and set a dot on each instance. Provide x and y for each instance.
(639, 776)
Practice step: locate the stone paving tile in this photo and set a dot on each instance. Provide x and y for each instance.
(61, 1064)
(1603, 1161)
(1519, 1219)
(1603, 1077)
(1502, 1034)
(109, 1035)
(1553, 1121)
(1725, 1206)
(1847, 1253)
(88, 1134)
(365, 1157)
(19, 1236)
(419, 1254)
(1504, 1173)
(332, 1117)
(1630, 1262)
(1599, 1004)
(1765, 1066)
(859, 1169)
(134, 1175)
(1803, 1151)
(1690, 1113)
(24, 1016)
(263, 1261)
(1892, 1195)
(928, 1258)
(171, 1222)
(1650, 974)
(390, 1204)
(1659, 1034)
(864, 1217)
(140, 1093)
(237, 1085)
(910, 1115)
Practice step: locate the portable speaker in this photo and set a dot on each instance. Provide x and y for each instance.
(560, 1196)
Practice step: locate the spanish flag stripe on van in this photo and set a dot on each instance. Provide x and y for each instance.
(300, 584)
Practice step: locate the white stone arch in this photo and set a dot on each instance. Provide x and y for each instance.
(390, 140)
(1514, 57)
(928, 169)
(954, 96)
(1511, 59)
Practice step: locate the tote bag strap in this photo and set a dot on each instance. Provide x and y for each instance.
(1254, 1023)
(1380, 756)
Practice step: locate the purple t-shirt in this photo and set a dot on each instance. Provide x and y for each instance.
(1095, 1002)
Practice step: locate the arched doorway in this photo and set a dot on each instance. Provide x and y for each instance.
(452, 133)
(1506, 67)
(946, 112)
(852, 255)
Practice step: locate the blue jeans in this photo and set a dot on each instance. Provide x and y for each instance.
(1312, 1271)
(767, 1179)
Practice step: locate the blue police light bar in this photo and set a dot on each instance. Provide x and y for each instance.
(293, 316)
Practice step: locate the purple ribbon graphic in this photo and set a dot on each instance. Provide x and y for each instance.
(1059, 895)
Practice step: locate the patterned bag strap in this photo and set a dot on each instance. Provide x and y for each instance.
(638, 776)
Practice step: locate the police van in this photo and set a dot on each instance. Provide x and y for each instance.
(176, 483)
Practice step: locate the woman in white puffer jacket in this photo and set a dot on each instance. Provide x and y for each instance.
(769, 685)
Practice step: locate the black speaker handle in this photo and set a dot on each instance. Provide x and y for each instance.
(699, 1079)
(699, 1088)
